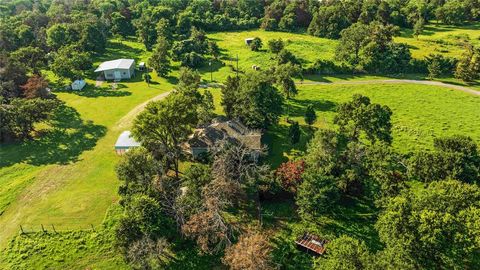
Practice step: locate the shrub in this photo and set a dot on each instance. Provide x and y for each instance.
(256, 44)
(327, 67)
(289, 174)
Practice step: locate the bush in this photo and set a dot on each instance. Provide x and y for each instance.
(417, 66)
(289, 174)
(276, 45)
(285, 56)
(441, 65)
(256, 44)
(316, 195)
(327, 67)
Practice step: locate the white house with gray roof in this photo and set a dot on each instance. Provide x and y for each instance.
(117, 69)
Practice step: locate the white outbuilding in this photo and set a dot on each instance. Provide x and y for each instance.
(78, 84)
(125, 142)
(117, 69)
(248, 41)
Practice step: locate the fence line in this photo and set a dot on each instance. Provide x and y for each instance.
(56, 228)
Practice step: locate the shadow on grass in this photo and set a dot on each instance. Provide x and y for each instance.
(276, 138)
(188, 257)
(106, 91)
(355, 217)
(63, 143)
(464, 84)
(206, 68)
(172, 80)
(299, 106)
(118, 49)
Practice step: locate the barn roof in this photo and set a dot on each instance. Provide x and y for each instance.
(115, 64)
(125, 140)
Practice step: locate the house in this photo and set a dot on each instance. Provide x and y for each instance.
(311, 244)
(117, 69)
(125, 142)
(248, 41)
(78, 84)
(203, 139)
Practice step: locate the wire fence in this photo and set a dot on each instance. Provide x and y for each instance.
(56, 228)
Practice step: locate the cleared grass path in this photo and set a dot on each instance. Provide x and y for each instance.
(125, 121)
(400, 81)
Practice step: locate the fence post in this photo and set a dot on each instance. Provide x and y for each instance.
(21, 229)
(43, 229)
(53, 227)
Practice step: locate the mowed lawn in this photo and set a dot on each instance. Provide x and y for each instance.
(66, 176)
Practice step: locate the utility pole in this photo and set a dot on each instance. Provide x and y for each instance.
(211, 71)
(237, 65)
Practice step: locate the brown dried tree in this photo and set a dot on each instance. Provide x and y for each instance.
(252, 252)
(210, 229)
(148, 254)
(36, 87)
(233, 169)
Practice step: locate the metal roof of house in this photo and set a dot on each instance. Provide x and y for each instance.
(221, 129)
(115, 64)
(126, 140)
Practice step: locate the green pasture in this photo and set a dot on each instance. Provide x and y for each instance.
(66, 175)
(441, 39)
(232, 44)
(436, 38)
(420, 113)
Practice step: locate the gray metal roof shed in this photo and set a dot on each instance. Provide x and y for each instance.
(125, 141)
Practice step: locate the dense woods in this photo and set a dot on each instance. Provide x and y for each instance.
(424, 204)
(64, 34)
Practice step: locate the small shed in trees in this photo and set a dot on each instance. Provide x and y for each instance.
(78, 84)
(248, 41)
(125, 142)
(141, 66)
(311, 244)
(117, 69)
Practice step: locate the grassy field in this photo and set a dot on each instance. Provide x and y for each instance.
(441, 39)
(232, 44)
(90, 249)
(66, 176)
(420, 113)
(437, 38)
